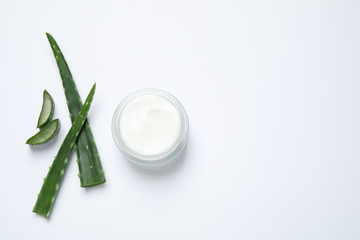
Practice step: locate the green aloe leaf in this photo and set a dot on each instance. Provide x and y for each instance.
(90, 169)
(51, 185)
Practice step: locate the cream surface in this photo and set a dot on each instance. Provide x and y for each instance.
(150, 125)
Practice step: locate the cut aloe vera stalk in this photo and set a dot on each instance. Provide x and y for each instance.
(91, 172)
(52, 182)
(45, 134)
(47, 110)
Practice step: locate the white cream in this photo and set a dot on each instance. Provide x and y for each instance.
(150, 125)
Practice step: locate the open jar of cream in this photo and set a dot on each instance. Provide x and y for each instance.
(150, 127)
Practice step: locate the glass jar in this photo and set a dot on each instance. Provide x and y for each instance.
(161, 159)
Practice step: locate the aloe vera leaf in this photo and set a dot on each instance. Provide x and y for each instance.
(91, 172)
(47, 110)
(52, 181)
(45, 134)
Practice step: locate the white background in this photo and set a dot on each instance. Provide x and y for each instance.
(272, 90)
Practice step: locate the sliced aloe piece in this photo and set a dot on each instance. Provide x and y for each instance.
(45, 134)
(47, 110)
